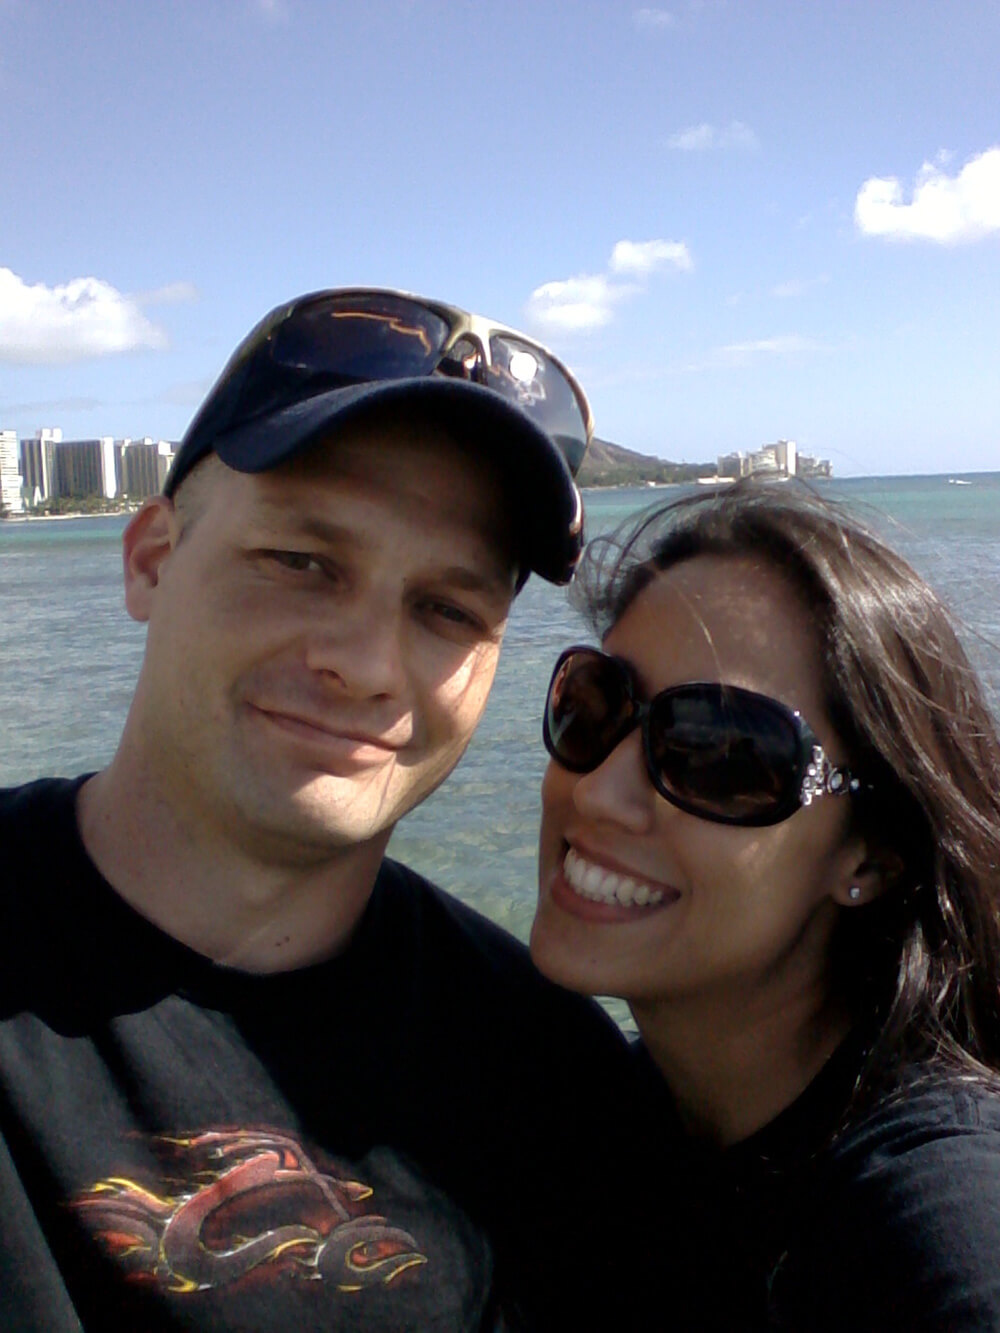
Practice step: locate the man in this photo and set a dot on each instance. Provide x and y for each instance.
(252, 1074)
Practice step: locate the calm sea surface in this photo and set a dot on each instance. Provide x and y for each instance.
(69, 656)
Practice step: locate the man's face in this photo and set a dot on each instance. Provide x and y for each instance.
(322, 638)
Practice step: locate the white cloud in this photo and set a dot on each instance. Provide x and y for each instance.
(696, 138)
(701, 138)
(586, 302)
(799, 286)
(642, 257)
(947, 209)
(737, 135)
(645, 19)
(780, 346)
(575, 304)
(174, 293)
(85, 317)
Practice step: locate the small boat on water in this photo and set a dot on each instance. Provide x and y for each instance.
(958, 481)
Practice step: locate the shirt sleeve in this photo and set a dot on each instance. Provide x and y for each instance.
(902, 1229)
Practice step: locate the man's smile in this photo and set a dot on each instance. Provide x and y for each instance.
(342, 739)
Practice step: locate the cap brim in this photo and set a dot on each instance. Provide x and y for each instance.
(548, 518)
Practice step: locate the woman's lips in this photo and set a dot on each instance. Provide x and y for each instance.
(588, 888)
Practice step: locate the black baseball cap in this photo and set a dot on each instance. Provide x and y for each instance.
(331, 358)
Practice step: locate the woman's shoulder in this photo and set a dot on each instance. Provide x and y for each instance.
(901, 1225)
(931, 1112)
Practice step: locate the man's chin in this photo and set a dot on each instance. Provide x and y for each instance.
(314, 813)
(330, 814)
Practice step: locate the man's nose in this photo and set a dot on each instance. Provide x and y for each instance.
(362, 646)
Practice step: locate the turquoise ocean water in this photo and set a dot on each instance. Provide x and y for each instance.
(69, 657)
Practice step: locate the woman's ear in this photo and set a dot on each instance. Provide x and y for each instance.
(150, 537)
(877, 871)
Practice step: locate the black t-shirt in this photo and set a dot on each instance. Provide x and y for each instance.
(828, 1222)
(183, 1146)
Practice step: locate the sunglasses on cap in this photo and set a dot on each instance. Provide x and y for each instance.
(717, 751)
(352, 336)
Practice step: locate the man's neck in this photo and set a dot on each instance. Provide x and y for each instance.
(233, 904)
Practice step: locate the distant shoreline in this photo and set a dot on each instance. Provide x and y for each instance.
(58, 518)
(838, 478)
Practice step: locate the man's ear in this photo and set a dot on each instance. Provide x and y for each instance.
(874, 873)
(147, 541)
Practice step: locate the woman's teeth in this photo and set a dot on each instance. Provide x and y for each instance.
(606, 886)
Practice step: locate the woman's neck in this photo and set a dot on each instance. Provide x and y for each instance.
(732, 1068)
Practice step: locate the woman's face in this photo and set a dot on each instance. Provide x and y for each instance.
(717, 910)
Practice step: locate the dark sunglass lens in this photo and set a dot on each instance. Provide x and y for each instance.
(362, 337)
(525, 374)
(587, 708)
(726, 752)
(331, 342)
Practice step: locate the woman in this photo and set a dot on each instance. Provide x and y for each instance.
(772, 825)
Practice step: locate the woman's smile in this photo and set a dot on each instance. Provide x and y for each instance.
(589, 888)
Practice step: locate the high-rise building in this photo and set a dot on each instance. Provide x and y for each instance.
(786, 456)
(141, 466)
(38, 464)
(86, 468)
(731, 466)
(776, 459)
(813, 468)
(11, 481)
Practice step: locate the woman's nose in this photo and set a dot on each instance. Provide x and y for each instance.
(618, 790)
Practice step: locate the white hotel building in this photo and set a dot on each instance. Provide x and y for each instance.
(11, 481)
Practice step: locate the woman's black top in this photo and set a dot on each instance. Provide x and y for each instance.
(823, 1222)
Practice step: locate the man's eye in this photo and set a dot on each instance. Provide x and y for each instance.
(297, 560)
(452, 614)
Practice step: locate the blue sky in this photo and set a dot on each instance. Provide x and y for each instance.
(736, 221)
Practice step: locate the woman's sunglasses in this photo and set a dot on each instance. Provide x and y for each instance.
(717, 751)
(334, 339)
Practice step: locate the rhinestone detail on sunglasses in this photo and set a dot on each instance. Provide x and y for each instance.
(823, 778)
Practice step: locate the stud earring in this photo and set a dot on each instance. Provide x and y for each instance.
(854, 893)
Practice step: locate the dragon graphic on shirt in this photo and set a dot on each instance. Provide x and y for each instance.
(235, 1201)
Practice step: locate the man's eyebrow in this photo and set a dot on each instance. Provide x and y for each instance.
(494, 581)
(296, 523)
(471, 580)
